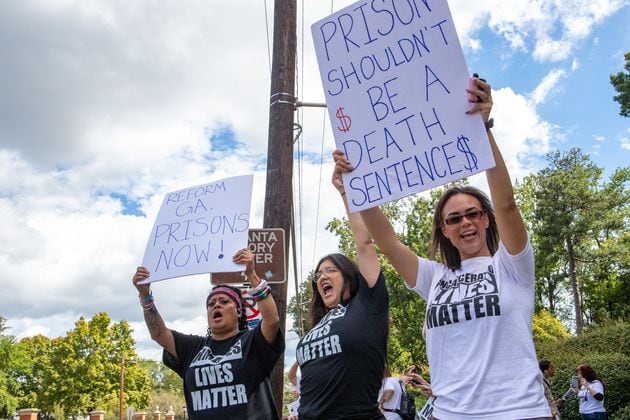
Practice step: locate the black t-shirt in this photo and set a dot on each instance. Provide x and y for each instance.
(221, 376)
(343, 356)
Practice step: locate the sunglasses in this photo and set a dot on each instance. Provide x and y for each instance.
(328, 270)
(471, 215)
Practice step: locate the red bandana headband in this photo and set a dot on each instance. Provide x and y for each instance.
(226, 291)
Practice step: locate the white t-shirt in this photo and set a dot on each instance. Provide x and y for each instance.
(394, 402)
(479, 337)
(588, 403)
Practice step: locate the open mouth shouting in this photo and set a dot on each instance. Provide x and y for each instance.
(217, 315)
(327, 289)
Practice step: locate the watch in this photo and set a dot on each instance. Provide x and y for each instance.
(489, 124)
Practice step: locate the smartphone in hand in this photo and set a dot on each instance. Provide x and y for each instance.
(574, 381)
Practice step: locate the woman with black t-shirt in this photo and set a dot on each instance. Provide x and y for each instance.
(226, 372)
(342, 357)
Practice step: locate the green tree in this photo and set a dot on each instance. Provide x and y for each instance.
(166, 387)
(578, 224)
(548, 329)
(621, 83)
(32, 365)
(9, 387)
(87, 365)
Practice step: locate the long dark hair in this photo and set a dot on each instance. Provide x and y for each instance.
(588, 373)
(242, 320)
(350, 272)
(442, 245)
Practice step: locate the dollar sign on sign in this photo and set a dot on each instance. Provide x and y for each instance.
(346, 121)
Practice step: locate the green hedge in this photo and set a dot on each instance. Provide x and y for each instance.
(607, 350)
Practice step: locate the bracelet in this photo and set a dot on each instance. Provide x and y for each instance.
(489, 124)
(262, 294)
(148, 307)
(147, 302)
(255, 290)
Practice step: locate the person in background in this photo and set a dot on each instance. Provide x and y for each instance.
(590, 394)
(480, 297)
(548, 371)
(343, 356)
(389, 395)
(228, 367)
(413, 378)
(294, 376)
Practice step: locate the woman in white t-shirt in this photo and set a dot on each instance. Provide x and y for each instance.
(590, 394)
(389, 396)
(480, 295)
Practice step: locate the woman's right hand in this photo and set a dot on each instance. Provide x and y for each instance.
(142, 274)
(418, 382)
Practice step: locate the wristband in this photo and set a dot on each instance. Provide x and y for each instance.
(262, 294)
(255, 290)
(148, 298)
(147, 302)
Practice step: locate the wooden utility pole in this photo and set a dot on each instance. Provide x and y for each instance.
(278, 193)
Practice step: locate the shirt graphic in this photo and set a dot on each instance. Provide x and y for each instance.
(318, 342)
(464, 297)
(213, 377)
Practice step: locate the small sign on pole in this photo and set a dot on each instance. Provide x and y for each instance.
(267, 245)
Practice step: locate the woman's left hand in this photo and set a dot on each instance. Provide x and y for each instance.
(483, 91)
(246, 257)
(341, 165)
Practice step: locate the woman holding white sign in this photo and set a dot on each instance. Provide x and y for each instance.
(480, 298)
(342, 357)
(227, 369)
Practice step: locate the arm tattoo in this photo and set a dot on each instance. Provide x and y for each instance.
(153, 320)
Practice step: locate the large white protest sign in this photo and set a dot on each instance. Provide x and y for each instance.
(395, 81)
(199, 229)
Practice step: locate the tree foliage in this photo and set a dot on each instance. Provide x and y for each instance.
(75, 374)
(9, 387)
(87, 365)
(578, 224)
(621, 83)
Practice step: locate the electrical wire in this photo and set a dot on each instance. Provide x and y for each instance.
(267, 32)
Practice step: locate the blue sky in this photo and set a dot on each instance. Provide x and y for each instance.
(107, 106)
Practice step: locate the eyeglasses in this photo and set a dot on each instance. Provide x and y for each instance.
(471, 215)
(328, 271)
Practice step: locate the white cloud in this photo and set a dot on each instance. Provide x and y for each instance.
(549, 29)
(549, 83)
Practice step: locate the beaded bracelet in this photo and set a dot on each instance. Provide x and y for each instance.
(263, 294)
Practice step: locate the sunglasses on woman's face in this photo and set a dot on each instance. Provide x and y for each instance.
(455, 219)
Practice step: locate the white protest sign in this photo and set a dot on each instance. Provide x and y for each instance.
(199, 229)
(395, 81)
